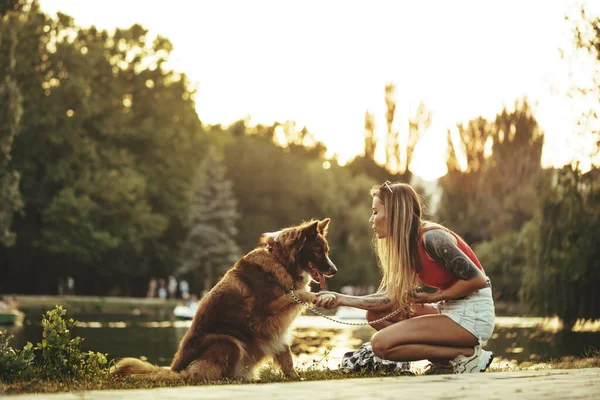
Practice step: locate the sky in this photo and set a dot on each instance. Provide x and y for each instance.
(324, 63)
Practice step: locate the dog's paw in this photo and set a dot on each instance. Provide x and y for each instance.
(327, 296)
(293, 376)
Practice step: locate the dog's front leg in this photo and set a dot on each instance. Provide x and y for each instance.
(305, 296)
(285, 362)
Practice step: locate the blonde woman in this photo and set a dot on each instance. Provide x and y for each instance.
(445, 327)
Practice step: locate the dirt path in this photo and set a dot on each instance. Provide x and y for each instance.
(555, 384)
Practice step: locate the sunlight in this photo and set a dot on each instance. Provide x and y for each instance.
(258, 63)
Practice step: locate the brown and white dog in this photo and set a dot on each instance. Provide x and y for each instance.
(247, 314)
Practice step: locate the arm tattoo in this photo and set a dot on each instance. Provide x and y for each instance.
(442, 249)
(368, 302)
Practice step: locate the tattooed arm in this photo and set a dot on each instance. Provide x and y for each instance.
(374, 302)
(443, 248)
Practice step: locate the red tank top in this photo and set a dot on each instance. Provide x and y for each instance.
(432, 273)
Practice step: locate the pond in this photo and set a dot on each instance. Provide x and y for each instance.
(317, 341)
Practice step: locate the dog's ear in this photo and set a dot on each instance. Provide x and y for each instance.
(269, 238)
(311, 230)
(324, 226)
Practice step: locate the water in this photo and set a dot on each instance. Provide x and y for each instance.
(317, 341)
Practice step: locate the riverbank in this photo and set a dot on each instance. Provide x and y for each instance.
(550, 384)
(135, 305)
(96, 304)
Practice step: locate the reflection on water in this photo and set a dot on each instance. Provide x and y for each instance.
(318, 341)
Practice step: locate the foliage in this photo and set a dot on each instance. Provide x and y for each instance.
(61, 356)
(504, 260)
(210, 246)
(563, 265)
(493, 195)
(15, 365)
(289, 185)
(586, 35)
(11, 111)
(57, 356)
(107, 146)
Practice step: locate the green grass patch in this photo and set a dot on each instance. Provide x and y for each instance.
(58, 364)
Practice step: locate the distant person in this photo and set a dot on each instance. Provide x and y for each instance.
(172, 287)
(70, 285)
(60, 286)
(184, 288)
(13, 303)
(152, 286)
(193, 301)
(162, 289)
(3, 304)
(347, 289)
(446, 327)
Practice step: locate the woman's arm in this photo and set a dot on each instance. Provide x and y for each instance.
(373, 302)
(442, 247)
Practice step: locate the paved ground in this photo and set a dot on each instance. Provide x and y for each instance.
(555, 384)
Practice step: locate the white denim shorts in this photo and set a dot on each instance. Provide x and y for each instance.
(474, 312)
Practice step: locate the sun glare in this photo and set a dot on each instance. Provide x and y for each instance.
(255, 59)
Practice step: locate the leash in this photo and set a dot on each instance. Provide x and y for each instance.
(314, 310)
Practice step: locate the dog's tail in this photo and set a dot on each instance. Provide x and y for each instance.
(138, 369)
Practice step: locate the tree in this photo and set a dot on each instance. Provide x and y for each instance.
(417, 126)
(490, 200)
(586, 34)
(106, 145)
(494, 194)
(210, 246)
(563, 266)
(369, 134)
(277, 187)
(460, 203)
(366, 164)
(11, 111)
(392, 149)
(508, 182)
(562, 262)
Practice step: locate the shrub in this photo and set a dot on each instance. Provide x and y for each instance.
(15, 365)
(57, 356)
(61, 356)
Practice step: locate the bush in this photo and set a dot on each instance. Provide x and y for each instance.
(15, 365)
(61, 356)
(57, 356)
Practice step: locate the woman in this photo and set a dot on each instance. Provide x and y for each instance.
(461, 318)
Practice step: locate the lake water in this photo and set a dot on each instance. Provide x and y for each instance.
(317, 341)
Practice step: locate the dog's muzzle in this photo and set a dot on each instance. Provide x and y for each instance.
(332, 268)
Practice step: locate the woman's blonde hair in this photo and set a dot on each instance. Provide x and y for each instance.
(398, 252)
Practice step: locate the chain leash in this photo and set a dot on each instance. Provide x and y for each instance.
(314, 310)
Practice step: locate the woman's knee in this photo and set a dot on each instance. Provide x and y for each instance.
(379, 345)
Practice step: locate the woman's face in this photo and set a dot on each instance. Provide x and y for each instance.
(377, 219)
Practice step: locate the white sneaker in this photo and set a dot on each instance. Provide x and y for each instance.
(468, 365)
(485, 360)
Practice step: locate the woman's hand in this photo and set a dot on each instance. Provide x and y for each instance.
(416, 310)
(420, 297)
(328, 300)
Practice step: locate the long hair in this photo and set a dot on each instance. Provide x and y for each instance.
(398, 254)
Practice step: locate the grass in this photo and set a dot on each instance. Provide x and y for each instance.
(269, 373)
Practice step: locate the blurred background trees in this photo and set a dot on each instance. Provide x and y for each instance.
(210, 247)
(106, 176)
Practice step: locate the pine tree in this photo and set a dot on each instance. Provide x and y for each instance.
(210, 247)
